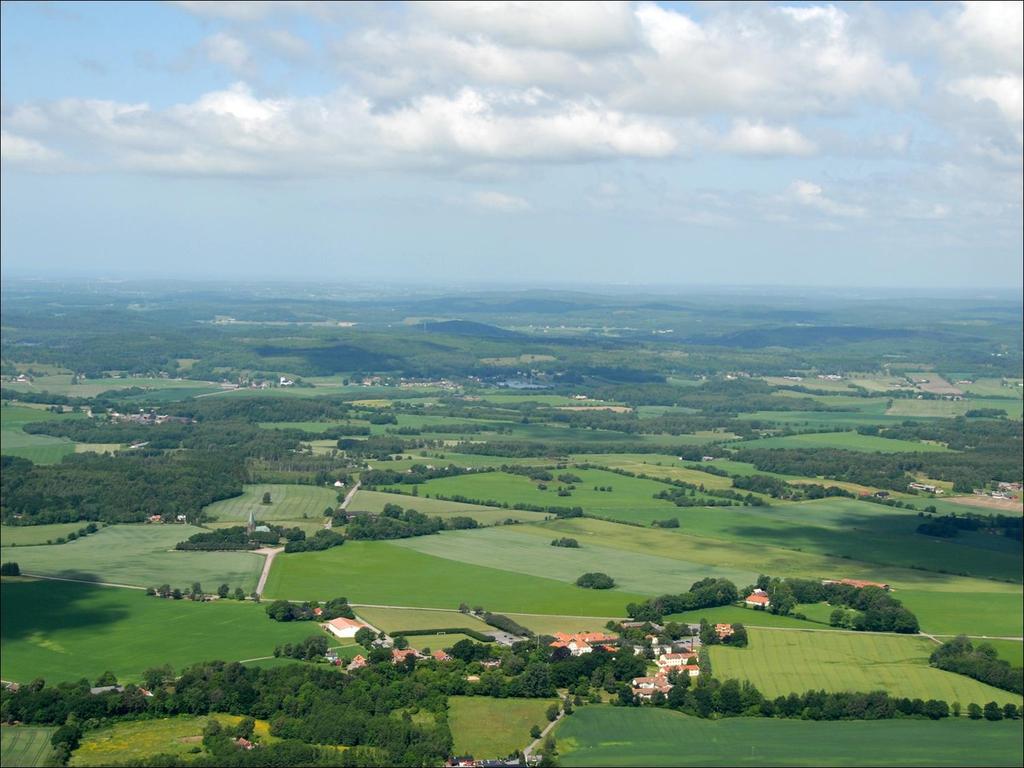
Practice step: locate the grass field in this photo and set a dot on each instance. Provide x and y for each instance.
(395, 619)
(490, 728)
(134, 741)
(849, 441)
(28, 535)
(40, 449)
(141, 555)
(625, 736)
(528, 550)
(288, 502)
(64, 631)
(25, 746)
(779, 662)
(631, 499)
(732, 614)
(950, 408)
(972, 613)
(437, 642)
(60, 384)
(548, 625)
(1011, 651)
(374, 501)
(383, 573)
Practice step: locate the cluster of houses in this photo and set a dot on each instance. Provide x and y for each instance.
(925, 488)
(1004, 491)
(149, 417)
(580, 643)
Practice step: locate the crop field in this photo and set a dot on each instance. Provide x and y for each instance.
(87, 630)
(40, 449)
(995, 388)
(849, 441)
(60, 384)
(626, 736)
(25, 746)
(287, 502)
(733, 614)
(825, 420)
(631, 499)
(511, 548)
(780, 662)
(548, 625)
(28, 535)
(490, 728)
(374, 501)
(992, 612)
(395, 619)
(1011, 651)
(383, 573)
(656, 465)
(951, 408)
(134, 741)
(437, 642)
(141, 555)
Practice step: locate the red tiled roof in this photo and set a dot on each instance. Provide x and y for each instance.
(755, 598)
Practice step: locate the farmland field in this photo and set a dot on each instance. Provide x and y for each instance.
(437, 642)
(733, 614)
(396, 619)
(28, 535)
(490, 728)
(548, 625)
(374, 501)
(288, 502)
(624, 736)
(781, 661)
(25, 746)
(60, 384)
(951, 408)
(1011, 651)
(972, 613)
(40, 449)
(135, 741)
(383, 573)
(849, 441)
(93, 629)
(141, 555)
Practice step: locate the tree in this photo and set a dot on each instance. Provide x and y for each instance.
(400, 642)
(974, 711)
(1010, 711)
(239, 593)
(535, 732)
(365, 637)
(154, 677)
(266, 497)
(107, 678)
(10, 569)
(837, 618)
(595, 580)
(176, 594)
(993, 712)
(197, 591)
(245, 727)
(552, 713)
(223, 590)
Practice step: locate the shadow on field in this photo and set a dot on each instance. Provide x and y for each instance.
(44, 607)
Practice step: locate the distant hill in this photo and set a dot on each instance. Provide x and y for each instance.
(470, 328)
(806, 336)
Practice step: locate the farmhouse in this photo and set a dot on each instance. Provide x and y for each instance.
(397, 656)
(342, 627)
(723, 631)
(926, 487)
(582, 642)
(645, 687)
(757, 599)
(441, 656)
(357, 663)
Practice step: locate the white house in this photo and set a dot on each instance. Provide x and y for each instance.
(342, 627)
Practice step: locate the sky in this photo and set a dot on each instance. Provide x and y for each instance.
(507, 143)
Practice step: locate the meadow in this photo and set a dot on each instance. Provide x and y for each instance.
(25, 746)
(950, 408)
(133, 741)
(29, 535)
(780, 662)
(66, 631)
(383, 573)
(625, 736)
(398, 619)
(374, 501)
(287, 502)
(849, 441)
(734, 614)
(141, 555)
(491, 728)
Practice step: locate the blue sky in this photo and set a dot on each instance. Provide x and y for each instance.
(630, 143)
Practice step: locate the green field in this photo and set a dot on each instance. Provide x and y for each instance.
(396, 619)
(631, 499)
(437, 642)
(374, 501)
(528, 550)
(548, 625)
(781, 661)
(135, 741)
(288, 502)
(25, 746)
(28, 535)
(732, 614)
(64, 631)
(1011, 651)
(491, 728)
(40, 449)
(951, 408)
(850, 441)
(60, 384)
(972, 613)
(383, 573)
(141, 555)
(626, 736)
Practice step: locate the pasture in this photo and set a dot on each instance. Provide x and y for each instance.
(437, 642)
(625, 736)
(997, 613)
(374, 501)
(548, 625)
(287, 502)
(780, 662)
(135, 741)
(25, 746)
(848, 441)
(141, 555)
(381, 573)
(491, 728)
(398, 619)
(64, 631)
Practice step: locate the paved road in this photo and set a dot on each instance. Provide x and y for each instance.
(540, 739)
(271, 553)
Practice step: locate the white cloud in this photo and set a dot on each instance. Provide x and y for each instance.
(499, 201)
(751, 138)
(1006, 92)
(228, 51)
(18, 150)
(811, 195)
(988, 33)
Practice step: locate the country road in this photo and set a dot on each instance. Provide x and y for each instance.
(271, 553)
